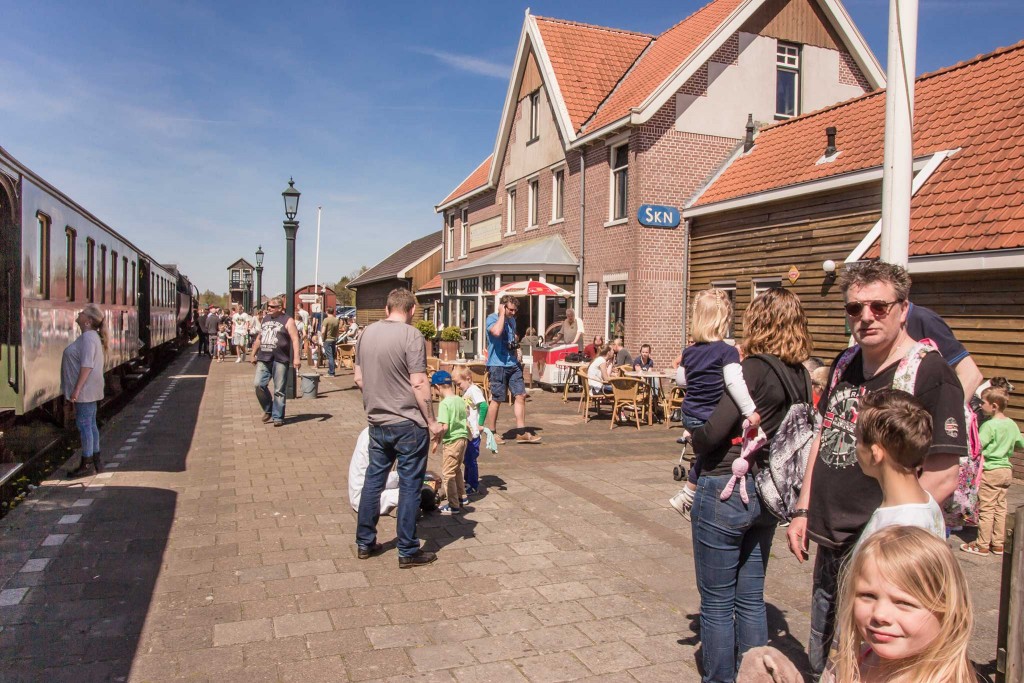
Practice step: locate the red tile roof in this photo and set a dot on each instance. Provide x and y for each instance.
(476, 179)
(433, 283)
(975, 199)
(588, 61)
(664, 56)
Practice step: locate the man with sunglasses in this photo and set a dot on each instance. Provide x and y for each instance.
(505, 370)
(837, 498)
(276, 346)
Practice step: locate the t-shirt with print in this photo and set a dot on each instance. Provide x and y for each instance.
(705, 382)
(474, 396)
(387, 353)
(275, 341)
(452, 413)
(842, 496)
(927, 516)
(999, 436)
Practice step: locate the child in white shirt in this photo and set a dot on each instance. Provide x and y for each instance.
(894, 433)
(476, 409)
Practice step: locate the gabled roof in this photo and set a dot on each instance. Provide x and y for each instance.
(431, 286)
(395, 265)
(549, 253)
(474, 181)
(588, 62)
(241, 264)
(973, 201)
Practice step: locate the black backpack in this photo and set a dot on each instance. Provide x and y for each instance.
(778, 484)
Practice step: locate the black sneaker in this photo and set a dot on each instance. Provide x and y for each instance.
(85, 468)
(366, 553)
(421, 557)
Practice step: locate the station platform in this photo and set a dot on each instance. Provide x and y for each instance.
(218, 548)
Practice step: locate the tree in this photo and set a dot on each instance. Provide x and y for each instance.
(208, 298)
(346, 296)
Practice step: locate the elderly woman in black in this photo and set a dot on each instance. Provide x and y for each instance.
(732, 539)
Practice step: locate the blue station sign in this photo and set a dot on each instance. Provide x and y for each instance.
(658, 216)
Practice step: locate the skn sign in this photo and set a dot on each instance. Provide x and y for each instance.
(658, 216)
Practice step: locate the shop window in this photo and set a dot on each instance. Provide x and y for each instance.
(558, 195)
(787, 80)
(452, 287)
(488, 283)
(620, 181)
(470, 285)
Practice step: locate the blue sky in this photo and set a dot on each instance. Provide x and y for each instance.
(180, 123)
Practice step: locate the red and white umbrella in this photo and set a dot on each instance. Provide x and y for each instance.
(533, 288)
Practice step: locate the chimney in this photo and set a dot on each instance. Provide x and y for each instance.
(830, 134)
(748, 141)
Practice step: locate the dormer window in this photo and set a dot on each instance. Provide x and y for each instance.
(787, 80)
(534, 115)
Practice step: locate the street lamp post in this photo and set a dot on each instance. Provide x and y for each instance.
(291, 227)
(247, 292)
(259, 277)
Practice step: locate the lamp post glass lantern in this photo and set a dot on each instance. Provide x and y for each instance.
(259, 276)
(291, 227)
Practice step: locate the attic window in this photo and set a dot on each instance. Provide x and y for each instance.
(787, 80)
(534, 114)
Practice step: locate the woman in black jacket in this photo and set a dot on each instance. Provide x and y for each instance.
(732, 539)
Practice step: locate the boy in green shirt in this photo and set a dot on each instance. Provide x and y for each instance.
(451, 413)
(999, 437)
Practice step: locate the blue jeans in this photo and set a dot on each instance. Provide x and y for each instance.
(406, 442)
(329, 352)
(691, 424)
(470, 471)
(731, 545)
(272, 405)
(85, 420)
(828, 564)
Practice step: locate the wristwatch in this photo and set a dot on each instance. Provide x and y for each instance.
(800, 512)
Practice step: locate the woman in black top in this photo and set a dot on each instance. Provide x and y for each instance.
(732, 539)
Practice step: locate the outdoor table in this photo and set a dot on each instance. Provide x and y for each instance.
(572, 377)
(651, 377)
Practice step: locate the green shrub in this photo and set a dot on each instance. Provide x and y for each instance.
(426, 328)
(451, 333)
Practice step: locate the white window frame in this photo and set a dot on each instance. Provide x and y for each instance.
(534, 116)
(510, 216)
(450, 229)
(787, 60)
(558, 195)
(763, 284)
(533, 200)
(614, 217)
(465, 232)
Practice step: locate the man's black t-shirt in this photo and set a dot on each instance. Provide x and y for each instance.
(842, 496)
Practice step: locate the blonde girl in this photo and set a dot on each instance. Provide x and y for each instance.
(905, 613)
(81, 382)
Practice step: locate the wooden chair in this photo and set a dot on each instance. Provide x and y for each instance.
(479, 373)
(629, 393)
(621, 370)
(592, 399)
(673, 399)
(346, 355)
(584, 382)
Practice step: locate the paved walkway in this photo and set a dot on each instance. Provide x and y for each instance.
(216, 548)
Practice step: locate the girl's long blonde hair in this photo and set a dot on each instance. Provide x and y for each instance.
(922, 566)
(712, 313)
(96, 317)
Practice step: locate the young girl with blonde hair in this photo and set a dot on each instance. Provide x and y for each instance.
(905, 613)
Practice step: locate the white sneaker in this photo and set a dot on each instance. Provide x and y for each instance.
(682, 502)
(238, 360)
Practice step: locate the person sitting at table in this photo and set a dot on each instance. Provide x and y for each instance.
(622, 356)
(529, 340)
(599, 374)
(593, 348)
(644, 360)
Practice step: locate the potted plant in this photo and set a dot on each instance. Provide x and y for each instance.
(429, 330)
(449, 346)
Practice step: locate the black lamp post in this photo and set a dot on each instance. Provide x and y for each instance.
(247, 291)
(259, 277)
(291, 227)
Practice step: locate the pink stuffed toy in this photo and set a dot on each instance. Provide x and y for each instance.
(753, 439)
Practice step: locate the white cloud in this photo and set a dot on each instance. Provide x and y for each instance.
(475, 65)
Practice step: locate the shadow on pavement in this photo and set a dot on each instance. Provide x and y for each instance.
(82, 615)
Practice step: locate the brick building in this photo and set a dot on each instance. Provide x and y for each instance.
(599, 122)
(412, 266)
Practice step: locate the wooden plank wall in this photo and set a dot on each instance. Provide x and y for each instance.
(424, 272)
(797, 21)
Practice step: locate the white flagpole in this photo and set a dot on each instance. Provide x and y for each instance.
(316, 273)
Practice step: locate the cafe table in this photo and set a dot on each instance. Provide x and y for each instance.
(653, 379)
(571, 376)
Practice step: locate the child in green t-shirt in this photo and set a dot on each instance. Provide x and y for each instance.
(451, 413)
(999, 437)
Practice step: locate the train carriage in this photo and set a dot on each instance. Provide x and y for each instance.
(56, 258)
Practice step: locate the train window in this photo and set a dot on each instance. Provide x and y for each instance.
(135, 301)
(43, 272)
(124, 279)
(103, 273)
(152, 296)
(113, 277)
(69, 276)
(90, 270)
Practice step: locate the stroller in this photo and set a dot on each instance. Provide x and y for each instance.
(685, 458)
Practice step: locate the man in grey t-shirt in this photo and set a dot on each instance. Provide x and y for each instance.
(391, 371)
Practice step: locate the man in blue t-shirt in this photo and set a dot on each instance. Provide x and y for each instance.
(506, 373)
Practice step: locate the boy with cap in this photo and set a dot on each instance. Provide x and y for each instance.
(451, 414)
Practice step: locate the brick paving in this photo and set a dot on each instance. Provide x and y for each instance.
(216, 548)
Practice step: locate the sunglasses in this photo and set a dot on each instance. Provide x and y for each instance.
(879, 309)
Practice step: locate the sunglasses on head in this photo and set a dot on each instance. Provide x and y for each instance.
(854, 309)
